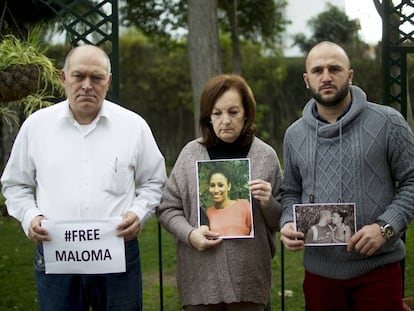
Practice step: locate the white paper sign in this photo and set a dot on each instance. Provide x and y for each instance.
(84, 247)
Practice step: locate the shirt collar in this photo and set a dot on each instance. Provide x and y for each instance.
(65, 112)
(104, 111)
(317, 115)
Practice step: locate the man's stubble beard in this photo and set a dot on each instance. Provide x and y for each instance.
(337, 99)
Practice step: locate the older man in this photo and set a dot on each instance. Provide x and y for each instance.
(85, 158)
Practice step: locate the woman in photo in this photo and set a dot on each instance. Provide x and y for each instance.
(341, 231)
(228, 217)
(214, 273)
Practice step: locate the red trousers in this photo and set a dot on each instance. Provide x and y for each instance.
(378, 290)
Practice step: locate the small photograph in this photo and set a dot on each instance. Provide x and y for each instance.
(224, 199)
(325, 224)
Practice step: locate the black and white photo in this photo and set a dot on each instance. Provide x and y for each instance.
(325, 224)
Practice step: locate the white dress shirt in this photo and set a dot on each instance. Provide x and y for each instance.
(62, 170)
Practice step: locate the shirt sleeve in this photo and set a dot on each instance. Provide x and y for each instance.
(400, 156)
(19, 181)
(291, 189)
(150, 175)
(176, 204)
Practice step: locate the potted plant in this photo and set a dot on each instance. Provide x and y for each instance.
(27, 76)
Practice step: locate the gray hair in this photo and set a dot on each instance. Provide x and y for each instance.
(68, 56)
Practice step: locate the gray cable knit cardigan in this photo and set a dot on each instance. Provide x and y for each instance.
(361, 159)
(235, 270)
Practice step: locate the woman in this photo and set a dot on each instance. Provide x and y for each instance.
(215, 273)
(341, 231)
(227, 217)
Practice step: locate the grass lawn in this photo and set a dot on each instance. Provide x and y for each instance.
(18, 292)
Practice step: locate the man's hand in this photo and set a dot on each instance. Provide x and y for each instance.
(406, 307)
(202, 238)
(292, 239)
(367, 241)
(36, 232)
(129, 227)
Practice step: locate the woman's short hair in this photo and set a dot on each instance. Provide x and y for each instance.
(213, 89)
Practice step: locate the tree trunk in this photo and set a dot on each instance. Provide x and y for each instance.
(203, 48)
(235, 42)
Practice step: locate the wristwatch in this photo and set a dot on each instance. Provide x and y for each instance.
(387, 230)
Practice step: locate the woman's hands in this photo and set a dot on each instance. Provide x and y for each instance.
(202, 238)
(261, 190)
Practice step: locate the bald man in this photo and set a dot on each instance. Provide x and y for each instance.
(346, 149)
